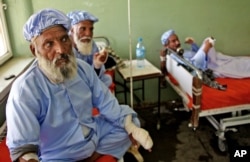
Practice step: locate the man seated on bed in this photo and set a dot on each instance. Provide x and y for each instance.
(84, 46)
(49, 110)
(206, 57)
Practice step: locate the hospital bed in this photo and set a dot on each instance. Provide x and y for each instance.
(223, 109)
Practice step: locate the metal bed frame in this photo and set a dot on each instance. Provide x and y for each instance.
(221, 125)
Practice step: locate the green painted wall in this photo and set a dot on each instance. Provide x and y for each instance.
(226, 20)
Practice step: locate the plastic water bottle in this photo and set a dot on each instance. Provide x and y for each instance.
(140, 53)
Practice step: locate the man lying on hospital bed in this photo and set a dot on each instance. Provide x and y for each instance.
(206, 57)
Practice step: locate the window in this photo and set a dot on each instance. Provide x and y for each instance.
(5, 50)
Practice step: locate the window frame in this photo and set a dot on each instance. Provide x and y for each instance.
(9, 53)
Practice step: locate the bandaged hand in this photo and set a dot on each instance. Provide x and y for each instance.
(211, 40)
(29, 157)
(207, 44)
(140, 135)
(100, 58)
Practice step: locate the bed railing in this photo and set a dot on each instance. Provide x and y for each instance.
(191, 83)
(178, 55)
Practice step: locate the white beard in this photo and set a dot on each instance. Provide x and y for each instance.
(58, 74)
(85, 48)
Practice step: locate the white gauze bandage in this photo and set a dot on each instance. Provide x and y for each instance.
(211, 40)
(30, 156)
(163, 58)
(140, 135)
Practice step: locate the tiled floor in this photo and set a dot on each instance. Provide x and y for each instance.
(176, 142)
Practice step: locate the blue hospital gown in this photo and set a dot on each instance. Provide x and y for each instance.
(51, 116)
(222, 65)
(194, 56)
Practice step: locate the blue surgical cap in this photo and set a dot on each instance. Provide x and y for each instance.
(165, 36)
(42, 20)
(77, 16)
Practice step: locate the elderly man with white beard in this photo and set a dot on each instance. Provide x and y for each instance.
(84, 47)
(49, 108)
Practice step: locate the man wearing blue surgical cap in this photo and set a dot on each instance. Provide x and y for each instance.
(49, 109)
(206, 57)
(170, 40)
(84, 46)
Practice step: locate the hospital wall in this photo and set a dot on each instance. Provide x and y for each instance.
(226, 20)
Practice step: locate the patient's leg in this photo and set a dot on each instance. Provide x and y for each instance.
(113, 140)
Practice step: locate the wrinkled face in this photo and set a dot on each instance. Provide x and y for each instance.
(53, 50)
(82, 34)
(173, 42)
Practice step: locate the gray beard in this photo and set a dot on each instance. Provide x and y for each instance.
(58, 74)
(85, 48)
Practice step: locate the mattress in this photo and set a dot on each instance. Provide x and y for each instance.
(237, 93)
